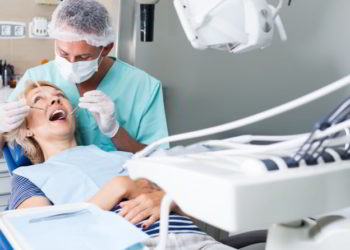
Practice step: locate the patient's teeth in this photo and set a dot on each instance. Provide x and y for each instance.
(58, 115)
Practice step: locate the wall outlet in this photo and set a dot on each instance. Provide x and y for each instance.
(19, 31)
(38, 28)
(5, 30)
(12, 30)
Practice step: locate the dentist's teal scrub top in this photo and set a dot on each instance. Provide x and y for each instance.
(138, 98)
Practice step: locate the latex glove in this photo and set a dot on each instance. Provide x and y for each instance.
(103, 110)
(12, 115)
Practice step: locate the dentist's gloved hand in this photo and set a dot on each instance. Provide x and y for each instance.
(103, 109)
(12, 115)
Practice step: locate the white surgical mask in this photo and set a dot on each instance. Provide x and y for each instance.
(77, 72)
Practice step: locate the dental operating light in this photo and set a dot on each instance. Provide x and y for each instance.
(235, 26)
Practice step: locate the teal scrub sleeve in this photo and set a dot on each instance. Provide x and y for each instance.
(153, 125)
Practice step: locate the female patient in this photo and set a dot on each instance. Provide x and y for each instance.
(65, 172)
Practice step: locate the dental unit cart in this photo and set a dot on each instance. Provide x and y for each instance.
(279, 185)
(245, 196)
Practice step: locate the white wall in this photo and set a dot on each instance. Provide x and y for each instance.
(26, 53)
(207, 88)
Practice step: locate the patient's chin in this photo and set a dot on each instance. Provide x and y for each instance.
(56, 130)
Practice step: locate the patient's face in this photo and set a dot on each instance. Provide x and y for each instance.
(53, 121)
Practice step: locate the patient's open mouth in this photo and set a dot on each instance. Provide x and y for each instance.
(58, 115)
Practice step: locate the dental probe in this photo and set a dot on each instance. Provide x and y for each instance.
(75, 109)
(36, 108)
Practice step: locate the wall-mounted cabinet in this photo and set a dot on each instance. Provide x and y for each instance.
(50, 2)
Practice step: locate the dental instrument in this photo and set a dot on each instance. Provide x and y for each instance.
(71, 113)
(339, 114)
(75, 109)
(37, 84)
(33, 107)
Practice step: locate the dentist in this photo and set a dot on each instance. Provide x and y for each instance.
(120, 107)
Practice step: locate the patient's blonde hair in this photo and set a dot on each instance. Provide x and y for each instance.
(19, 136)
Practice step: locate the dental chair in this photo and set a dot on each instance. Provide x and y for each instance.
(251, 240)
(15, 157)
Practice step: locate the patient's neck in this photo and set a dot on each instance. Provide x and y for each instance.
(55, 147)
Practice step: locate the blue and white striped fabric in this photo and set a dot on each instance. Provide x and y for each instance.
(177, 224)
(23, 189)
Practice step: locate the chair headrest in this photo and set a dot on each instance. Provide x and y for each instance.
(15, 157)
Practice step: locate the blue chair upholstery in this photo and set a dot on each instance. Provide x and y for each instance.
(15, 157)
(4, 244)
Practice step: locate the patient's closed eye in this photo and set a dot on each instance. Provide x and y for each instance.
(61, 95)
(36, 99)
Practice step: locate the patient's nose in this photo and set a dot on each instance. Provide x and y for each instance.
(55, 100)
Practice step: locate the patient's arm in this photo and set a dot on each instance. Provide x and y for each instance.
(144, 199)
(121, 187)
(35, 201)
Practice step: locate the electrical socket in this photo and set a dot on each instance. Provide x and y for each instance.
(12, 30)
(38, 28)
(6, 30)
